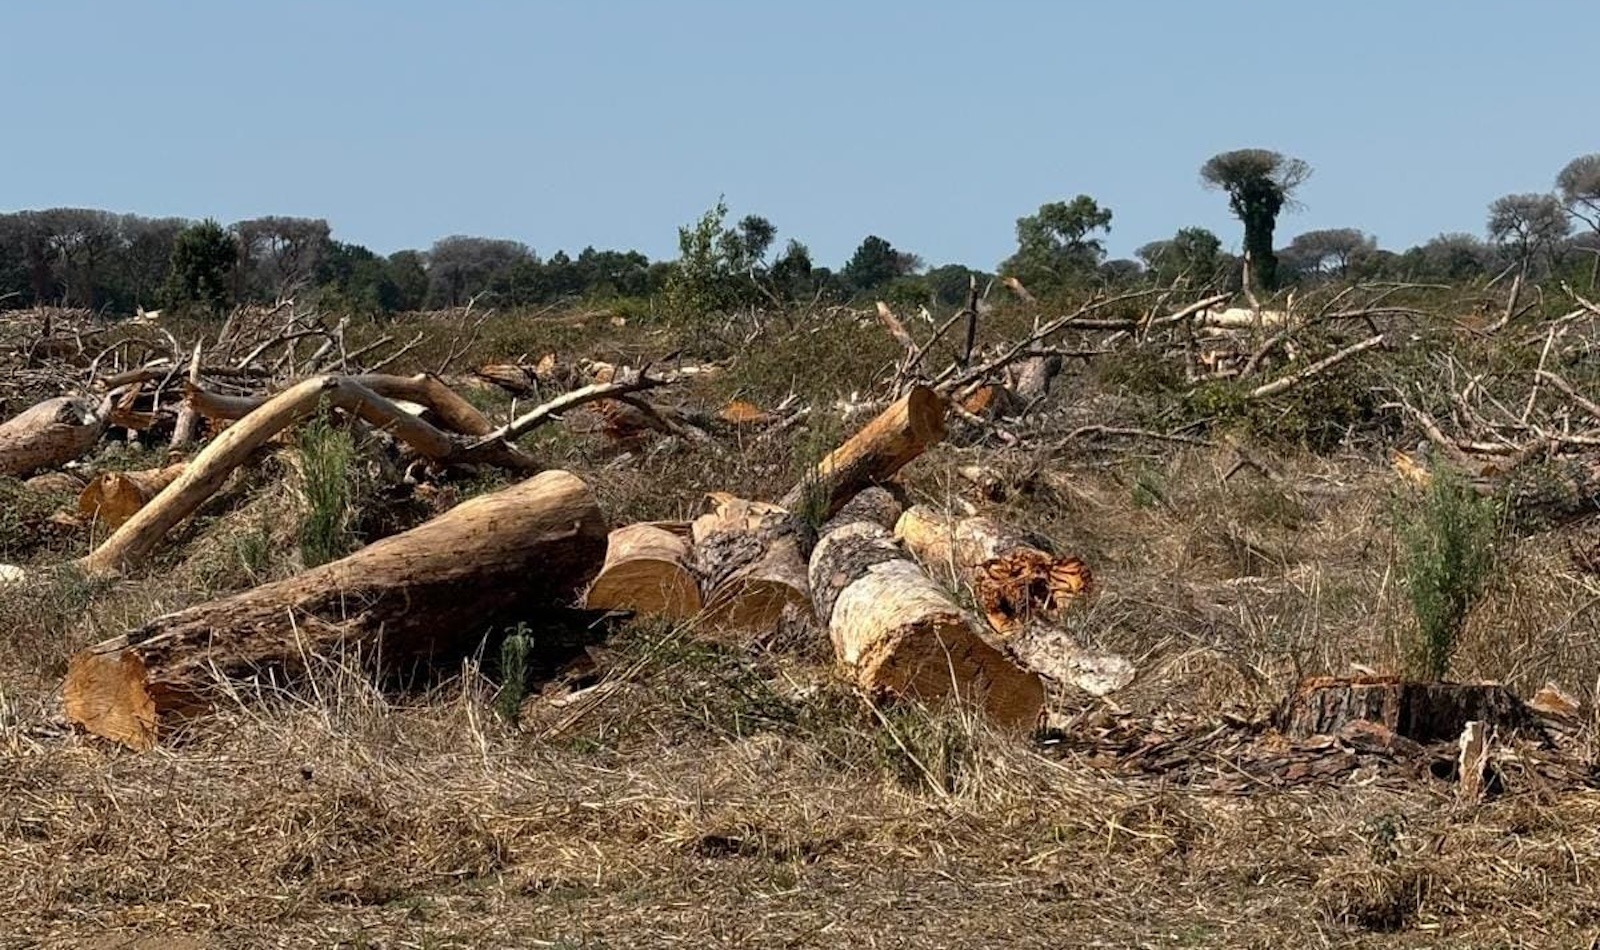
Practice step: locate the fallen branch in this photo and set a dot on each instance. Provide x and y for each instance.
(1285, 383)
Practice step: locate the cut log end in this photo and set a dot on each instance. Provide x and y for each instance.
(939, 657)
(646, 572)
(1023, 584)
(108, 695)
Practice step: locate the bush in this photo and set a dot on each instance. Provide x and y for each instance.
(327, 456)
(1447, 546)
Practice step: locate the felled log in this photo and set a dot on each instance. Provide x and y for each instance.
(1031, 378)
(1013, 580)
(747, 554)
(133, 541)
(648, 571)
(426, 593)
(873, 455)
(51, 434)
(1422, 711)
(894, 629)
(990, 401)
(113, 497)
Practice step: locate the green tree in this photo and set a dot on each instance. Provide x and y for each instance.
(875, 263)
(1329, 252)
(201, 274)
(1064, 240)
(1259, 184)
(409, 271)
(1193, 254)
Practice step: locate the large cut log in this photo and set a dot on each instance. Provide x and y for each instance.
(51, 434)
(1422, 711)
(430, 592)
(873, 455)
(647, 571)
(1012, 579)
(748, 556)
(896, 631)
(114, 497)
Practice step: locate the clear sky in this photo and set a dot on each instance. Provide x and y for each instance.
(933, 124)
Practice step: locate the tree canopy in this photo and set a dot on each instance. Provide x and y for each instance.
(1259, 184)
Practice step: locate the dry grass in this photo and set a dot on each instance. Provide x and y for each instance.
(716, 794)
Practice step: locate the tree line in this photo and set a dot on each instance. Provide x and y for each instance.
(119, 263)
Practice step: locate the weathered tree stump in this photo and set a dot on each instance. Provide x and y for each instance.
(1424, 712)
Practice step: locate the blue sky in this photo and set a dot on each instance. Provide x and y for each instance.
(932, 124)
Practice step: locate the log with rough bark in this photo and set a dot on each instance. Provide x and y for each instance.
(425, 594)
(134, 540)
(747, 554)
(894, 629)
(1012, 579)
(647, 571)
(113, 497)
(873, 455)
(1031, 378)
(51, 433)
(1421, 711)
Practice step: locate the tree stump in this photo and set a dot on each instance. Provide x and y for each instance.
(1424, 712)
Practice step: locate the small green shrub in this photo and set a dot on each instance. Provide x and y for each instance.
(1447, 546)
(514, 653)
(327, 456)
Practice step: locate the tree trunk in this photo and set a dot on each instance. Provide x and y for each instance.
(51, 434)
(896, 631)
(113, 497)
(748, 557)
(647, 571)
(1012, 580)
(1421, 711)
(1031, 378)
(430, 592)
(873, 455)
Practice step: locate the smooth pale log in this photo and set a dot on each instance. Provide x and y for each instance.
(648, 571)
(131, 543)
(896, 631)
(114, 497)
(51, 433)
(889, 442)
(1010, 577)
(452, 411)
(430, 593)
(747, 554)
